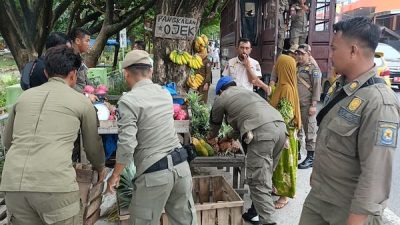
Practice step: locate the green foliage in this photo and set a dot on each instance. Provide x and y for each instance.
(226, 132)
(286, 110)
(6, 81)
(125, 188)
(200, 115)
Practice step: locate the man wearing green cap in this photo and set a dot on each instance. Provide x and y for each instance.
(146, 134)
(263, 134)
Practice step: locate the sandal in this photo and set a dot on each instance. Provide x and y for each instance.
(280, 204)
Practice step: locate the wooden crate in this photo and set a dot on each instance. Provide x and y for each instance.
(91, 193)
(236, 162)
(3, 212)
(215, 200)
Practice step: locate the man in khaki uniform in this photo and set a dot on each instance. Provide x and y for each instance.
(283, 8)
(147, 135)
(309, 87)
(298, 26)
(38, 178)
(357, 137)
(264, 134)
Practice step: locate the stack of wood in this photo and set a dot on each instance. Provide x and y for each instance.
(91, 193)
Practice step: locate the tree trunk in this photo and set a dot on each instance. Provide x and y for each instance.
(165, 70)
(116, 54)
(95, 52)
(110, 28)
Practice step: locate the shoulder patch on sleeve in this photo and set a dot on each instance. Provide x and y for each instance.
(387, 134)
(316, 73)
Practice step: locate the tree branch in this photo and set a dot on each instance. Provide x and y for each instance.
(131, 16)
(61, 9)
(87, 19)
(109, 12)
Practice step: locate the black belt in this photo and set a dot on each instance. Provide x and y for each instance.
(178, 155)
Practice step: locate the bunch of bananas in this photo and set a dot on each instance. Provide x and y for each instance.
(200, 44)
(196, 62)
(195, 81)
(180, 57)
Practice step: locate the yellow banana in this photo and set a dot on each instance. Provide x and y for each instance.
(205, 38)
(200, 41)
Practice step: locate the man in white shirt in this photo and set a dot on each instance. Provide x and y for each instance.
(243, 68)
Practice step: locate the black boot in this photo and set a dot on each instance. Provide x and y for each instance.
(308, 162)
(251, 216)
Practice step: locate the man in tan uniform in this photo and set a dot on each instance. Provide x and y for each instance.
(264, 134)
(38, 178)
(357, 137)
(309, 87)
(298, 26)
(147, 135)
(283, 7)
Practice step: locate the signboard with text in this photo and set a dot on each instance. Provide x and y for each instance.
(175, 27)
(122, 38)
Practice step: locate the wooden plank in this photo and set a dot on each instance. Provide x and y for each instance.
(235, 177)
(195, 190)
(204, 192)
(219, 205)
(164, 219)
(84, 176)
(236, 216)
(125, 222)
(208, 217)
(217, 191)
(198, 217)
(219, 161)
(84, 191)
(96, 191)
(223, 216)
(228, 192)
(93, 218)
(3, 211)
(95, 205)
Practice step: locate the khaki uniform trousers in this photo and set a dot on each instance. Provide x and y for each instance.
(297, 37)
(309, 129)
(318, 212)
(263, 154)
(169, 189)
(35, 208)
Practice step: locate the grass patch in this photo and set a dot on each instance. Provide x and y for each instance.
(7, 63)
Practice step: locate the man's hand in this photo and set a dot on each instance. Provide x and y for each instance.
(246, 61)
(259, 83)
(93, 98)
(205, 87)
(356, 219)
(312, 111)
(102, 173)
(113, 182)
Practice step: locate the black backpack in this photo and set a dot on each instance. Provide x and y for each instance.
(26, 74)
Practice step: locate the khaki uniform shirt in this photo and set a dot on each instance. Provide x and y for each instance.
(298, 21)
(40, 135)
(146, 129)
(236, 69)
(82, 80)
(244, 111)
(312, 75)
(355, 147)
